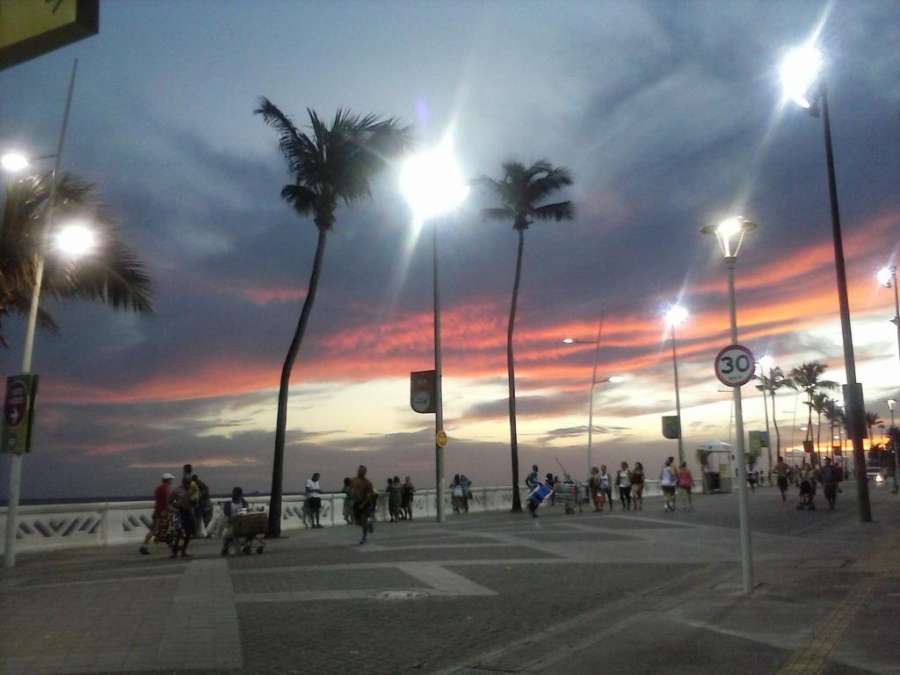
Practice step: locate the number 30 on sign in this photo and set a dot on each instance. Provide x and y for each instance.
(735, 365)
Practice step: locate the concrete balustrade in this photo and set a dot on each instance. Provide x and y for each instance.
(55, 526)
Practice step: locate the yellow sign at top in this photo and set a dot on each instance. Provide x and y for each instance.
(29, 28)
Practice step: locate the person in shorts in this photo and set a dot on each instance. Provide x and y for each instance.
(781, 472)
(314, 500)
(363, 495)
(637, 486)
(623, 482)
(686, 483)
(160, 522)
(182, 515)
(667, 483)
(406, 502)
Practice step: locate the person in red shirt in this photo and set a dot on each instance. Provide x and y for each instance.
(160, 511)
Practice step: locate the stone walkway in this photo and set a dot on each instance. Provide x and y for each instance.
(635, 592)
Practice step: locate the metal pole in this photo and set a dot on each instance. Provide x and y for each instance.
(894, 438)
(768, 433)
(854, 422)
(438, 384)
(590, 461)
(743, 506)
(677, 398)
(15, 467)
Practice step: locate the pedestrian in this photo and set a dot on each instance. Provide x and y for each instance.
(807, 489)
(467, 491)
(623, 482)
(314, 500)
(160, 512)
(203, 504)
(686, 483)
(594, 489)
(348, 502)
(751, 480)
(406, 499)
(637, 486)
(667, 482)
(394, 499)
(362, 493)
(781, 472)
(532, 480)
(457, 493)
(232, 510)
(181, 514)
(831, 478)
(606, 485)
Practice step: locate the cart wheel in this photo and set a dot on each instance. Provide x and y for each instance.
(259, 549)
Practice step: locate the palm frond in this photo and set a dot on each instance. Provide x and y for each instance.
(498, 213)
(558, 211)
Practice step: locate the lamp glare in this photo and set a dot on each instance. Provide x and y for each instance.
(799, 71)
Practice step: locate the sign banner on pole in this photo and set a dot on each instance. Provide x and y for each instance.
(671, 427)
(18, 412)
(758, 440)
(423, 391)
(29, 28)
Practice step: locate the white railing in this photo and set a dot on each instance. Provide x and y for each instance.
(54, 526)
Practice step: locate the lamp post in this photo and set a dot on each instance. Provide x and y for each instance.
(766, 363)
(803, 83)
(730, 233)
(894, 438)
(18, 162)
(433, 186)
(594, 382)
(887, 277)
(675, 317)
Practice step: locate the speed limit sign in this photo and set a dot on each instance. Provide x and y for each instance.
(735, 365)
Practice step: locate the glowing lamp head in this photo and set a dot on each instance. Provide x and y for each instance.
(886, 276)
(13, 162)
(75, 240)
(432, 183)
(730, 234)
(615, 379)
(799, 74)
(892, 404)
(676, 316)
(569, 341)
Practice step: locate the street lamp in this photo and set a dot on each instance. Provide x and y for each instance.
(887, 277)
(894, 438)
(675, 316)
(613, 379)
(801, 77)
(13, 161)
(730, 234)
(9, 162)
(432, 184)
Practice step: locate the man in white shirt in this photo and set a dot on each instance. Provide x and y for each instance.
(314, 499)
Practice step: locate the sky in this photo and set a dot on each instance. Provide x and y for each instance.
(669, 116)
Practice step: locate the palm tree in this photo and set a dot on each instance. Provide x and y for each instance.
(807, 378)
(520, 191)
(113, 275)
(817, 404)
(872, 421)
(771, 383)
(333, 164)
(835, 417)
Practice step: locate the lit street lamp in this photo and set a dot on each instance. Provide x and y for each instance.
(801, 76)
(730, 234)
(433, 186)
(887, 277)
(13, 161)
(675, 317)
(594, 382)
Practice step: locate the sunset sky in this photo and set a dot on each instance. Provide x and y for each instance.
(669, 115)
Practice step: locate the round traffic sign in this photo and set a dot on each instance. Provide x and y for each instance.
(735, 365)
(441, 438)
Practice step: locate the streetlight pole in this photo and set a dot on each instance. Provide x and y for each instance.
(590, 459)
(15, 468)
(438, 383)
(894, 438)
(803, 82)
(677, 397)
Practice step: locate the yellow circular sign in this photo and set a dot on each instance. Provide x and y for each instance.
(441, 438)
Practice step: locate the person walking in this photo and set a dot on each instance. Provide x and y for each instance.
(394, 499)
(667, 482)
(532, 480)
(182, 517)
(830, 475)
(202, 504)
(606, 485)
(594, 489)
(406, 499)
(623, 482)
(160, 512)
(231, 510)
(686, 483)
(637, 486)
(362, 493)
(348, 502)
(314, 500)
(781, 472)
(467, 491)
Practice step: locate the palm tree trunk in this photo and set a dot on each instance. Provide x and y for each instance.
(281, 422)
(511, 370)
(775, 424)
(819, 434)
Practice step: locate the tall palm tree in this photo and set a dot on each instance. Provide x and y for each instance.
(521, 190)
(771, 383)
(872, 421)
(113, 274)
(807, 377)
(330, 165)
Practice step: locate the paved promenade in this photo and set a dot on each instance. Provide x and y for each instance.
(587, 593)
